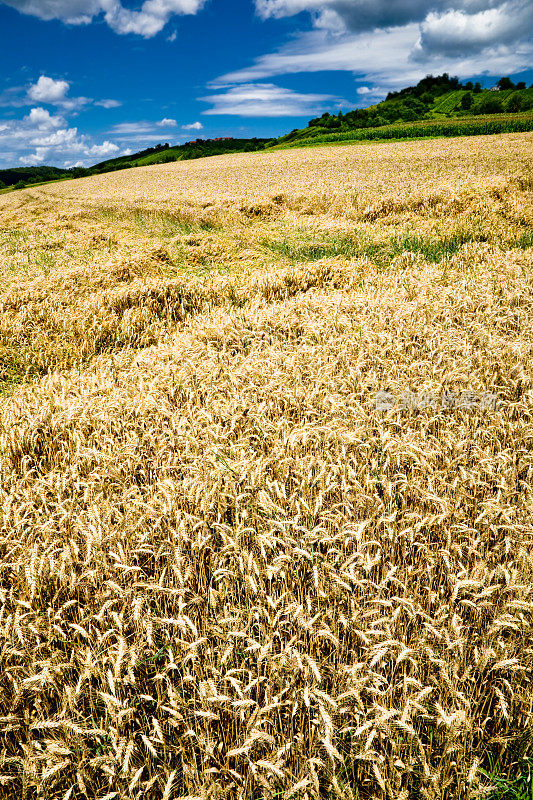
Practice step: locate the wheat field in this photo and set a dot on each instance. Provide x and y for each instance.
(224, 572)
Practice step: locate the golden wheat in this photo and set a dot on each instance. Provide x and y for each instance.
(223, 571)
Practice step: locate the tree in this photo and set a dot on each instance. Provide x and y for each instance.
(469, 86)
(466, 101)
(2, 185)
(505, 83)
(520, 85)
(477, 88)
(19, 185)
(491, 105)
(515, 103)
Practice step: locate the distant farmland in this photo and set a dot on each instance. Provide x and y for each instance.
(428, 128)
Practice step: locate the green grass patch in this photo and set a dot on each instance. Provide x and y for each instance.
(515, 784)
(344, 246)
(158, 223)
(13, 369)
(161, 224)
(526, 240)
(433, 249)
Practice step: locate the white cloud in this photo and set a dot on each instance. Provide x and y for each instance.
(107, 148)
(149, 20)
(75, 12)
(354, 15)
(389, 58)
(108, 103)
(61, 137)
(166, 123)
(194, 126)
(317, 51)
(47, 90)
(267, 100)
(132, 128)
(34, 159)
(41, 137)
(50, 92)
(42, 119)
(143, 130)
(457, 33)
(388, 44)
(362, 15)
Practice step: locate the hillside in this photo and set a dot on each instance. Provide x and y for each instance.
(439, 99)
(436, 106)
(10, 177)
(161, 154)
(266, 477)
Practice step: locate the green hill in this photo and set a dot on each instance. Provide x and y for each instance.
(10, 177)
(463, 108)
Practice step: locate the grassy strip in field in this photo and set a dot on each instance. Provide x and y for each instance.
(137, 318)
(158, 223)
(433, 249)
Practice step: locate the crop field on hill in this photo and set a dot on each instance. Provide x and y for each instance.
(426, 128)
(225, 572)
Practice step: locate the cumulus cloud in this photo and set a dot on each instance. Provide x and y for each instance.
(42, 119)
(75, 12)
(46, 130)
(361, 15)
(59, 138)
(105, 149)
(41, 137)
(267, 100)
(47, 90)
(348, 14)
(34, 159)
(457, 33)
(54, 92)
(166, 123)
(193, 126)
(148, 21)
(50, 92)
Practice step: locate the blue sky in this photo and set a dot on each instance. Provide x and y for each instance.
(84, 80)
